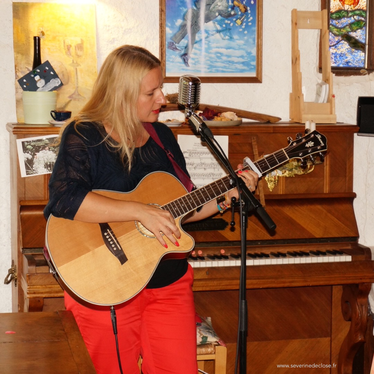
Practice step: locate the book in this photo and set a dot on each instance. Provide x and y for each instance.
(322, 92)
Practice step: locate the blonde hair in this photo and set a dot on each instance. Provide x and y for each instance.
(115, 95)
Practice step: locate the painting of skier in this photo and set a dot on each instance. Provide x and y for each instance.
(211, 38)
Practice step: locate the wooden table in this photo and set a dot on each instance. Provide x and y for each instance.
(42, 343)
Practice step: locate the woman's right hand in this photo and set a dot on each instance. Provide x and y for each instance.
(160, 222)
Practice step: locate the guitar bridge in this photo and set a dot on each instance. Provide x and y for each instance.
(112, 243)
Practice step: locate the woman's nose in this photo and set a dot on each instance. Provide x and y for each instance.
(161, 98)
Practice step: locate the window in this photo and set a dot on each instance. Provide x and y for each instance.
(350, 36)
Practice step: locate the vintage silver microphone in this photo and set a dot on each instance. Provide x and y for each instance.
(189, 97)
(189, 92)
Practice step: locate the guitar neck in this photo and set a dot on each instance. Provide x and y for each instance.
(271, 161)
(203, 195)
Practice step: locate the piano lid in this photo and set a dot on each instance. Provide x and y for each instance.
(307, 218)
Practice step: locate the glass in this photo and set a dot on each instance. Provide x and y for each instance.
(74, 48)
(348, 33)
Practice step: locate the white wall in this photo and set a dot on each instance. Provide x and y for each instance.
(137, 22)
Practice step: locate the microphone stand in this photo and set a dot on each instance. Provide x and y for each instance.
(247, 202)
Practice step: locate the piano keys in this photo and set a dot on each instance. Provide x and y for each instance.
(198, 259)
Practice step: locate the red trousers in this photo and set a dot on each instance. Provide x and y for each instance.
(158, 324)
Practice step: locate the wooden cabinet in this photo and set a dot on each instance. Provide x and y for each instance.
(36, 289)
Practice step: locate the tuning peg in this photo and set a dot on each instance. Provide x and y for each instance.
(299, 135)
(289, 139)
(312, 159)
(321, 156)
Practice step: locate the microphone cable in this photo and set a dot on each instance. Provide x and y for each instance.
(114, 324)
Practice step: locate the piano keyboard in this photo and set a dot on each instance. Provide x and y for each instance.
(198, 260)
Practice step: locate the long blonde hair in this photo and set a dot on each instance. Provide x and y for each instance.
(115, 94)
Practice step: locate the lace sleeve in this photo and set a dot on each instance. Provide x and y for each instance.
(71, 178)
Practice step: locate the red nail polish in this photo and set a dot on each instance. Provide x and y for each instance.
(166, 246)
(240, 172)
(177, 244)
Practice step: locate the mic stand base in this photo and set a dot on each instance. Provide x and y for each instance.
(243, 307)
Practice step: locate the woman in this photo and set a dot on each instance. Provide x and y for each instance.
(107, 147)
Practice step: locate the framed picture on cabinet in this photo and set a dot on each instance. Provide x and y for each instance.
(37, 155)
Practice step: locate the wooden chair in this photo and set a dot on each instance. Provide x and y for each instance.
(208, 347)
(209, 352)
(212, 352)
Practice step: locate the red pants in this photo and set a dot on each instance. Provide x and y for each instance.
(158, 324)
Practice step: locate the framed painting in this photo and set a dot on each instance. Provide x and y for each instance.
(69, 44)
(220, 41)
(351, 36)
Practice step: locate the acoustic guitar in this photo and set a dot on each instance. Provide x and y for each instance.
(109, 263)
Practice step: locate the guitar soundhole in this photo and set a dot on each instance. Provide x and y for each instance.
(143, 230)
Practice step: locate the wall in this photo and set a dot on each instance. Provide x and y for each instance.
(137, 22)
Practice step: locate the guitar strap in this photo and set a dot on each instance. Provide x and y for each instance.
(183, 177)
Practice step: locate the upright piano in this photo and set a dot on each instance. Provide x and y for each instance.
(307, 283)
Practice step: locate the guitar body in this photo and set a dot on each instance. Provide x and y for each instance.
(86, 266)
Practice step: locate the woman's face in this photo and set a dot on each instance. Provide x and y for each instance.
(150, 96)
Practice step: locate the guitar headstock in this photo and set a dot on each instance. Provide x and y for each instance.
(308, 145)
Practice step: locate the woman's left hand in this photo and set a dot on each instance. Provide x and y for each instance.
(250, 179)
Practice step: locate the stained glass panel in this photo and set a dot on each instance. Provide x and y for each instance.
(348, 39)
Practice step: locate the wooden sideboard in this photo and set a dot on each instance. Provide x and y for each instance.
(298, 313)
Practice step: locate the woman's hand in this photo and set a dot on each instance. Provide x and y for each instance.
(160, 222)
(250, 179)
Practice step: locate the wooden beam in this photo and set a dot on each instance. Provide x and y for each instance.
(240, 113)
